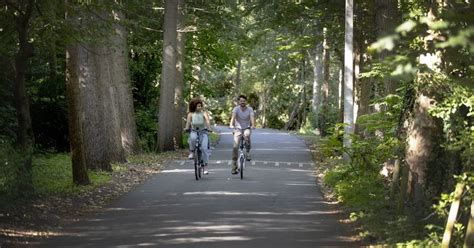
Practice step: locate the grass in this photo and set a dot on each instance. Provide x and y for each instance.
(52, 175)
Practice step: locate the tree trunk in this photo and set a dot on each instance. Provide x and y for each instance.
(302, 112)
(101, 124)
(386, 16)
(108, 105)
(364, 85)
(168, 79)
(395, 178)
(348, 75)
(317, 81)
(403, 188)
(453, 213)
(25, 138)
(180, 108)
(121, 80)
(325, 87)
(91, 100)
(422, 140)
(76, 136)
(469, 240)
(340, 92)
(356, 94)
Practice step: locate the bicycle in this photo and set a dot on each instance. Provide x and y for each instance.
(242, 155)
(198, 162)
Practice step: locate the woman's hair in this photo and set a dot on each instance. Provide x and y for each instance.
(193, 103)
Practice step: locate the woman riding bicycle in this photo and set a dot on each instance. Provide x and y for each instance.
(198, 119)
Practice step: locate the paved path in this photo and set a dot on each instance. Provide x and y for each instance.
(276, 205)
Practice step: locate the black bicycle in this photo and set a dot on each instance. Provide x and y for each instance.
(198, 162)
(242, 155)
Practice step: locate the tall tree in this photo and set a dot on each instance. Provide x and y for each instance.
(348, 74)
(386, 16)
(323, 114)
(108, 104)
(180, 108)
(121, 80)
(76, 135)
(22, 12)
(168, 78)
(317, 79)
(101, 75)
(424, 133)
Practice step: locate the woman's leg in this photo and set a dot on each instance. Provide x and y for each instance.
(205, 149)
(192, 143)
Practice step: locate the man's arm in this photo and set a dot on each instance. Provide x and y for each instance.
(252, 121)
(232, 120)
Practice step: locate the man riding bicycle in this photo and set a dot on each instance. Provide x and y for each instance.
(242, 117)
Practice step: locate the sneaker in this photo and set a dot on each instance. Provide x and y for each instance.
(191, 155)
(205, 170)
(248, 157)
(234, 168)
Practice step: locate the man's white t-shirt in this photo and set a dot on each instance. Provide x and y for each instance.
(242, 117)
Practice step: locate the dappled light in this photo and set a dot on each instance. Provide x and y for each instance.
(352, 123)
(205, 239)
(224, 193)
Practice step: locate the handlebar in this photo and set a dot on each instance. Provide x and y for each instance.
(197, 130)
(241, 129)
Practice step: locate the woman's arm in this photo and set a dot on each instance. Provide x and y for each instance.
(207, 119)
(188, 121)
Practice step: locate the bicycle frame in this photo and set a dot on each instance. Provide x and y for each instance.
(242, 157)
(198, 162)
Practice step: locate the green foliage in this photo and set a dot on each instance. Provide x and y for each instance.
(9, 162)
(52, 175)
(358, 192)
(332, 144)
(147, 126)
(442, 208)
(457, 113)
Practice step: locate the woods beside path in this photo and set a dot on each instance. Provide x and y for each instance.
(278, 200)
(381, 89)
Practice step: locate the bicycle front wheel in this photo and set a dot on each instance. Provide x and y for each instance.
(197, 170)
(242, 165)
(201, 168)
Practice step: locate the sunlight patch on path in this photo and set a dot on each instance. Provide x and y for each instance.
(230, 193)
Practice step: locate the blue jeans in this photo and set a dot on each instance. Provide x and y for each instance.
(204, 145)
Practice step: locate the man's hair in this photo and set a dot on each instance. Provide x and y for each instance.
(193, 103)
(242, 96)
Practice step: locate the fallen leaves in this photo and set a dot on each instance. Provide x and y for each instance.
(44, 216)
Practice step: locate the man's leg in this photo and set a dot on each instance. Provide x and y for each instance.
(235, 148)
(247, 134)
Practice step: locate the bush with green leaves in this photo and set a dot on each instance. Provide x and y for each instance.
(147, 126)
(52, 175)
(9, 163)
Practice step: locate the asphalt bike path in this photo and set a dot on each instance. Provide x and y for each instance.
(277, 204)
